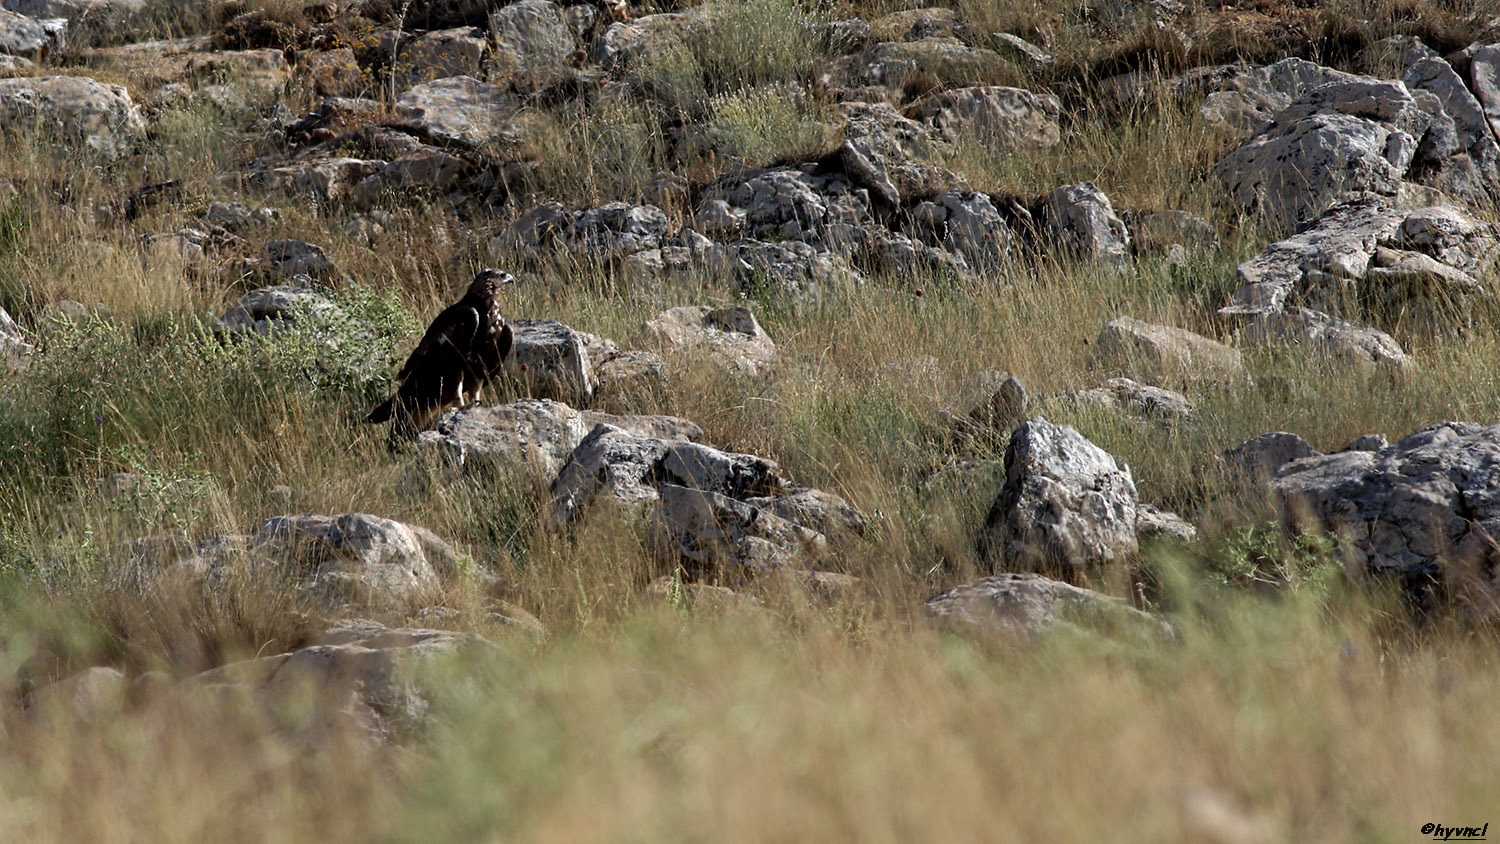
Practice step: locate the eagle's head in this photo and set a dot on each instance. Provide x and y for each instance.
(489, 281)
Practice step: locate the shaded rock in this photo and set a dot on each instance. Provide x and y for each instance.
(532, 43)
(731, 337)
(966, 224)
(1029, 606)
(290, 258)
(21, 35)
(335, 73)
(622, 43)
(994, 114)
(610, 232)
(1342, 344)
(1151, 523)
(1423, 511)
(1367, 442)
(533, 432)
(1476, 175)
(1123, 394)
(86, 696)
(867, 169)
(461, 110)
(1332, 144)
(787, 268)
(1002, 409)
(358, 558)
(815, 509)
(103, 117)
(14, 350)
(440, 55)
(319, 175)
(1022, 51)
(1159, 231)
(942, 60)
(1159, 354)
(1256, 461)
(237, 216)
(549, 360)
(1484, 77)
(1451, 236)
(888, 132)
(797, 203)
(360, 674)
(1250, 99)
(268, 309)
(426, 168)
(1083, 221)
(712, 534)
(1067, 505)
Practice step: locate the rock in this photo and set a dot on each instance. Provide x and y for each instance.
(621, 44)
(1002, 409)
(1423, 511)
(532, 42)
(867, 169)
(1030, 606)
(21, 35)
(1452, 237)
(1084, 223)
(440, 55)
(1255, 462)
(291, 258)
(711, 534)
(1367, 442)
(1123, 394)
(102, 116)
(462, 111)
(915, 24)
(938, 61)
(674, 592)
(795, 203)
(14, 350)
(268, 309)
(731, 337)
(993, 114)
(1331, 145)
(1022, 51)
(533, 432)
(966, 224)
(549, 360)
(1484, 74)
(16, 63)
(888, 133)
(791, 268)
(1159, 231)
(717, 218)
(86, 696)
(335, 73)
(322, 176)
(840, 38)
(1151, 523)
(1342, 344)
(1161, 354)
(1067, 505)
(85, 15)
(237, 216)
(360, 674)
(822, 512)
(1250, 99)
(610, 232)
(358, 558)
(1471, 137)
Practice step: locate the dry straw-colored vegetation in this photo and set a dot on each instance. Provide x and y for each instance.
(1292, 705)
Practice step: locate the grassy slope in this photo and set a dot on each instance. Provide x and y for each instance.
(1306, 712)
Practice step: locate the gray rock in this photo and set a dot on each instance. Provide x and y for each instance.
(1452, 237)
(731, 337)
(607, 233)
(946, 60)
(268, 309)
(1154, 524)
(1159, 231)
(794, 203)
(866, 168)
(1083, 221)
(1367, 442)
(1256, 461)
(1067, 505)
(537, 433)
(1023, 51)
(87, 696)
(623, 43)
(711, 534)
(1422, 511)
(717, 218)
(103, 117)
(21, 35)
(1030, 606)
(237, 216)
(1342, 344)
(319, 175)
(888, 133)
(14, 350)
(994, 114)
(85, 14)
(357, 558)
(1250, 99)
(533, 42)
(819, 511)
(1161, 354)
(360, 675)
(1484, 76)
(967, 224)
(1331, 145)
(440, 55)
(1471, 138)
(549, 360)
(426, 168)
(1123, 394)
(463, 111)
(291, 258)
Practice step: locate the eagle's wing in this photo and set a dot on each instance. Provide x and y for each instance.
(448, 339)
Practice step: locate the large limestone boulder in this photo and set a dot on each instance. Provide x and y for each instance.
(1248, 100)
(709, 533)
(103, 117)
(610, 232)
(536, 433)
(21, 35)
(994, 114)
(549, 360)
(1341, 344)
(1423, 511)
(462, 111)
(1083, 221)
(533, 44)
(1332, 144)
(440, 55)
(358, 558)
(360, 675)
(1031, 606)
(1067, 506)
(1255, 462)
(730, 337)
(1161, 354)
(1469, 155)
(966, 224)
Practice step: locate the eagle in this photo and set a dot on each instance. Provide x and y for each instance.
(464, 349)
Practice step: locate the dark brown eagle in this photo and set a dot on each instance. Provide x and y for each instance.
(462, 351)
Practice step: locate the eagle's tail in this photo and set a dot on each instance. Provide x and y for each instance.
(384, 412)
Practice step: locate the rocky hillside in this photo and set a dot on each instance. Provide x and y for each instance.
(858, 331)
